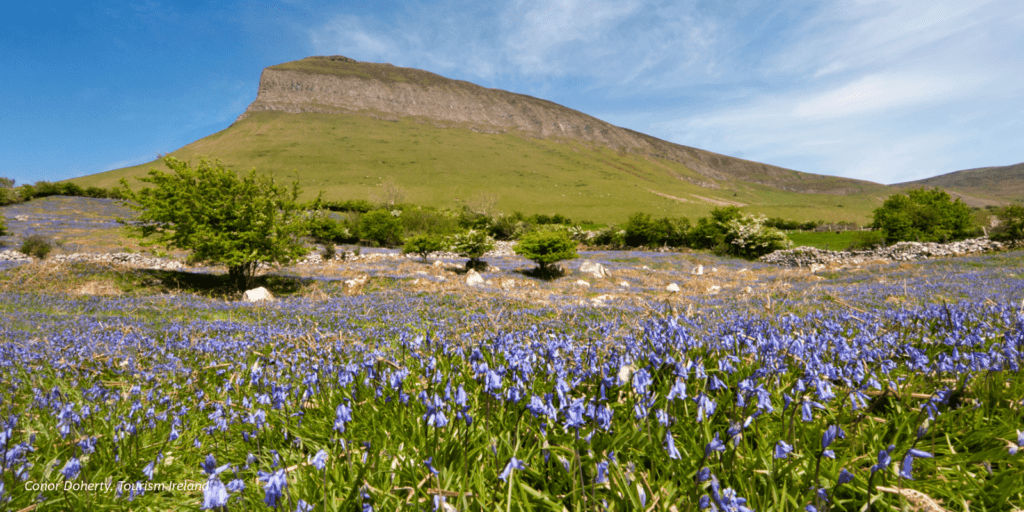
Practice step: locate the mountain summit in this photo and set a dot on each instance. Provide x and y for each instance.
(344, 127)
(340, 85)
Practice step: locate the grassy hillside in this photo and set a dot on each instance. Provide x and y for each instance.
(979, 187)
(347, 156)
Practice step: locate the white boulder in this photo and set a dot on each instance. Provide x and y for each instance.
(595, 269)
(672, 288)
(473, 278)
(260, 294)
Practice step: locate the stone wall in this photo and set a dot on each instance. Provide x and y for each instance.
(814, 258)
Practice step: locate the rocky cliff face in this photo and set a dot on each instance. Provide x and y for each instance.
(339, 85)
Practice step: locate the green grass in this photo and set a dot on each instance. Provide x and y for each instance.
(348, 156)
(833, 241)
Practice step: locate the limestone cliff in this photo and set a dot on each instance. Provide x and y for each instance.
(344, 86)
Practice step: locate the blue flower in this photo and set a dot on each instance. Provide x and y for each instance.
(782, 449)
(214, 494)
(71, 469)
(716, 445)
(430, 464)
(210, 466)
(148, 470)
(303, 506)
(236, 485)
(883, 459)
(845, 477)
(512, 464)
(277, 482)
(670, 443)
(319, 460)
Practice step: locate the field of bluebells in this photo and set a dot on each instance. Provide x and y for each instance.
(887, 387)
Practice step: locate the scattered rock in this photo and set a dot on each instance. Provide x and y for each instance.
(748, 289)
(438, 263)
(508, 284)
(698, 270)
(595, 269)
(672, 287)
(361, 280)
(473, 278)
(21, 218)
(260, 294)
(12, 255)
(714, 289)
(582, 283)
(623, 284)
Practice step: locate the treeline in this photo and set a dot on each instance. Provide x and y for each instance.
(728, 230)
(9, 194)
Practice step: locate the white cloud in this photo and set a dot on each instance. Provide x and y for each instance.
(887, 90)
(874, 93)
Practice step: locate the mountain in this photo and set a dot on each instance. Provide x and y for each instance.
(979, 187)
(343, 126)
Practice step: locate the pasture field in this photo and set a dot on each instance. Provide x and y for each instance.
(880, 387)
(828, 240)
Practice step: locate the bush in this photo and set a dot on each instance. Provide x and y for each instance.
(643, 231)
(610, 236)
(1011, 226)
(382, 227)
(36, 246)
(428, 221)
(923, 216)
(3, 226)
(323, 229)
(749, 237)
(220, 217)
(423, 245)
(329, 252)
(473, 245)
(710, 232)
(546, 247)
(358, 206)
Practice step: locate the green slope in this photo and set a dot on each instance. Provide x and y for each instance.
(347, 156)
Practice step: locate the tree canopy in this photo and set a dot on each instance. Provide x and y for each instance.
(924, 216)
(219, 217)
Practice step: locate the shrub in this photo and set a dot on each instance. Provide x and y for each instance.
(473, 245)
(3, 226)
(924, 216)
(1011, 226)
(36, 246)
(709, 233)
(749, 237)
(643, 231)
(428, 221)
(329, 252)
(610, 236)
(323, 229)
(423, 245)
(220, 217)
(547, 247)
(358, 206)
(383, 227)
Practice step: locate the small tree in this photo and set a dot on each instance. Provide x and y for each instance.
(546, 248)
(3, 226)
(423, 245)
(1011, 226)
(220, 217)
(36, 246)
(473, 245)
(924, 216)
(749, 237)
(382, 226)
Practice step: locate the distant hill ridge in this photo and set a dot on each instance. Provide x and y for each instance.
(343, 127)
(340, 85)
(1004, 182)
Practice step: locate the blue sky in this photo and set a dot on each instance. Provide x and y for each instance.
(882, 90)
